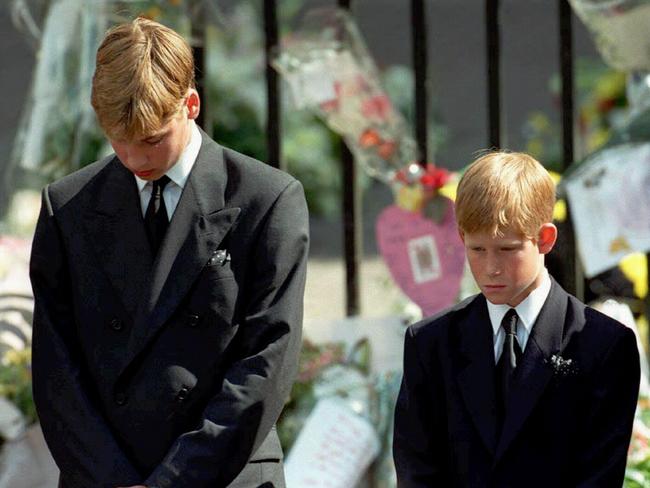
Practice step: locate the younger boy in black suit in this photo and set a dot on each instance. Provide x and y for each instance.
(522, 384)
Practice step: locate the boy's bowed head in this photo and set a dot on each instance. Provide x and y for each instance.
(144, 95)
(504, 211)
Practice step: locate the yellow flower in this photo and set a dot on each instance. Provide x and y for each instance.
(634, 267)
(611, 85)
(588, 113)
(597, 139)
(559, 211)
(410, 198)
(449, 190)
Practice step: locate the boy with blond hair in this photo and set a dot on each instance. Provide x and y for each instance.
(521, 385)
(168, 280)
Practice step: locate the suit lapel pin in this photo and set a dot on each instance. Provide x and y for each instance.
(563, 368)
(219, 258)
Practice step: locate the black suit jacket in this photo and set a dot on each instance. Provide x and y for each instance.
(564, 427)
(171, 370)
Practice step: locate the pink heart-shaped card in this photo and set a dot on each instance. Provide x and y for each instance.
(425, 258)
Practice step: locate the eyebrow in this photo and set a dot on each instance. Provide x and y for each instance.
(155, 136)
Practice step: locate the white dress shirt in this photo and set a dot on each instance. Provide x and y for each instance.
(528, 311)
(178, 175)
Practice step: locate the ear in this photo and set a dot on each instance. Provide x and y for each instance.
(193, 104)
(546, 238)
(461, 234)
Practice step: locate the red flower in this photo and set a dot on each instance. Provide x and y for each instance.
(435, 177)
(386, 149)
(401, 176)
(606, 105)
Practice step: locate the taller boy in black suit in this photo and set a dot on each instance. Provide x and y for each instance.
(169, 283)
(521, 385)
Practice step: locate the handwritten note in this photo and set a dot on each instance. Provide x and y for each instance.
(610, 206)
(333, 450)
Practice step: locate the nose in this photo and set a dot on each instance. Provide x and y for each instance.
(493, 265)
(137, 159)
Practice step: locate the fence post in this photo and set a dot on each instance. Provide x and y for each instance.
(273, 123)
(420, 65)
(574, 279)
(351, 223)
(494, 73)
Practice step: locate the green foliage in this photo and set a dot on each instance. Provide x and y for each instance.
(16, 382)
(600, 98)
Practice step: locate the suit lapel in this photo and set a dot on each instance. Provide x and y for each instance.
(115, 225)
(198, 225)
(534, 373)
(476, 376)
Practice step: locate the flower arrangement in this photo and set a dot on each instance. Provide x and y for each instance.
(16, 381)
(313, 360)
(601, 100)
(637, 473)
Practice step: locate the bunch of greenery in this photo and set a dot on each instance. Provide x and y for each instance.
(16, 381)
(601, 101)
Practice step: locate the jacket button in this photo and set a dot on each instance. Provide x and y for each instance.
(120, 398)
(193, 320)
(182, 394)
(116, 324)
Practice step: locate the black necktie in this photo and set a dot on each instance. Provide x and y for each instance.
(510, 357)
(155, 218)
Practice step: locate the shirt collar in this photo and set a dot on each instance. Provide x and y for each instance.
(528, 310)
(180, 171)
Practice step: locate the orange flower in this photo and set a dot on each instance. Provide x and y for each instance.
(369, 137)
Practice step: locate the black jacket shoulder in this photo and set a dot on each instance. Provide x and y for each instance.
(441, 322)
(65, 189)
(247, 172)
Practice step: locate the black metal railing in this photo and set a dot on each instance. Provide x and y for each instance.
(351, 199)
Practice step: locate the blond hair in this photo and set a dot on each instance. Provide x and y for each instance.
(505, 190)
(143, 72)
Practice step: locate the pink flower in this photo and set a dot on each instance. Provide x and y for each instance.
(378, 106)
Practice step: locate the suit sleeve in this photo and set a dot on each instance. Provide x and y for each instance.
(418, 437)
(608, 423)
(76, 433)
(256, 385)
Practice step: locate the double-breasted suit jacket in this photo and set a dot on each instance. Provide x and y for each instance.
(168, 370)
(568, 419)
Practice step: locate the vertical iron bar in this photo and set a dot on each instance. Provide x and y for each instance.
(198, 41)
(351, 223)
(420, 64)
(494, 73)
(566, 60)
(574, 280)
(272, 85)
